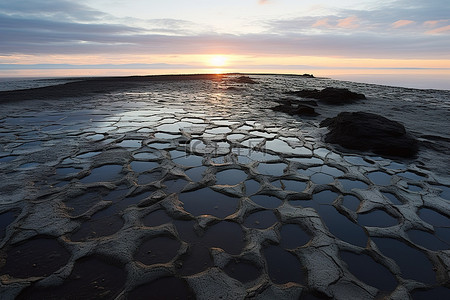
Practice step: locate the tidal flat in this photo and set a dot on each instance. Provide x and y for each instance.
(193, 187)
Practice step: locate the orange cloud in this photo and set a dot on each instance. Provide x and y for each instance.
(444, 29)
(350, 22)
(322, 23)
(402, 23)
(433, 23)
(262, 2)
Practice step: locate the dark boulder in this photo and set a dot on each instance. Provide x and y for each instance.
(243, 79)
(300, 109)
(308, 75)
(370, 132)
(330, 95)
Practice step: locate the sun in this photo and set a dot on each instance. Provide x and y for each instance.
(218, 61)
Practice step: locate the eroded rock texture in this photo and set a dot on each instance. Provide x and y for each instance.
(189, 189)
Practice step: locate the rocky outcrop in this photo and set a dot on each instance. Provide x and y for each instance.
(370, 132)
(243, 79)
(330, 95)
(299, 108)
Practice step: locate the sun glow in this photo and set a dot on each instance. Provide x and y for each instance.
(218, 61)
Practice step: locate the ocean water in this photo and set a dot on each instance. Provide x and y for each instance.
(19, 83)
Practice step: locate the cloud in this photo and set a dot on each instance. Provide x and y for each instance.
(50, 9)
(346, 33)
(95, 66)
(349, 22)
(444, 29)
(402, 23)
(262, 2)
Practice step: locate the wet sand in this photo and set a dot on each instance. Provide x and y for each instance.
(197, 189)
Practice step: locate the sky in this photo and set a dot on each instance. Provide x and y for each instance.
(122, 37)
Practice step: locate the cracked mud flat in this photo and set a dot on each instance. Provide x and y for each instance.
(191, 189)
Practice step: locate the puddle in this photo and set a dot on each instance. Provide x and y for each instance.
(351, 202)
(433, 217)
(156, 218)
(7, 159)
(421, 270)
(6, 219)
(82, 203)
(445, 192)
(434, 293)
(175, 128)
(225, 235)
(103, 174)
(251, 187)
(283, 267)
(279, 146)
(98, 227)
(414, 188)
(130, 144)
(130, 200)
(341, 227)
(67, 171)
(188, 160)
(327, 170)
(245, 127)
(235, 137)
(261, 219)
(263, 134)
(230, 177)
(427, 240)
(196, 174)
(91, 278)
(258, 155)
(276, 169)
(40, 256)
(117, 194)
(325, 197)
(218, 130)
(208, 202)
(175, 186)
(353, 184)
(293, 236)
(149, 177)
(142, 166)
(356, 160)
(28, 166)
(412, 176)
(377, 218)
(166, 136)
(95, 137)
(320, 178)
(158, 250)
(164, 288)
(368, 271)
(252, 142)
(146, 156)
(197, 260)
(242, 270)
(290, 185)
(266, 201)
(392, 198)
(160, 146)
(380, 178)
(396, 166)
